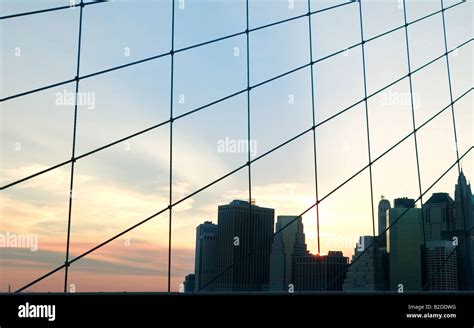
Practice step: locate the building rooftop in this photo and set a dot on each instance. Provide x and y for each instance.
(440, 197)
(207, 222)
(239, 202)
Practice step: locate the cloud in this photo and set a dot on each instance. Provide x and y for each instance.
(140, 259)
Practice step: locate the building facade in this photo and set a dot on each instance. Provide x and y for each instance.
(205, 256)
(244, 241)
(320, 272)
(438, 216)
(287, 245)
(384, 206)
(464, 232)
(441, 266)
(366, 271)
(189, 284)
(404, 240)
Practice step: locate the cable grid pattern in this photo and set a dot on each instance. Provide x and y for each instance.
(312, 128)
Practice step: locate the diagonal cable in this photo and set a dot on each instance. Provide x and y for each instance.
(47, 10)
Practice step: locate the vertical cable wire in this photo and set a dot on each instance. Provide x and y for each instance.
(170, 208)
(73, 152)
(314, 124)
(368, 136)
(247, 33)
(450, 85)
(410, 81)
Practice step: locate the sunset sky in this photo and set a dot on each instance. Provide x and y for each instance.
(121, 185)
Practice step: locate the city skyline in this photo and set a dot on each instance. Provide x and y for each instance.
(417, 249)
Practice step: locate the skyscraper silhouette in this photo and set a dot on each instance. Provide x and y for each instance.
(439, 228)
(189, 284)
(464, 232)
(441, 266)
(287, 245)
(205, 256)
(244, 241)
(404, 240)
(320, 272)
(438, 214)
(365, 274)
(384, 206)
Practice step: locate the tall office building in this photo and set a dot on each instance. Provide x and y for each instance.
(463, 199)
(244, 241)
(441, 266)
(383, 266)
(205, 256)
(320, 272)
(440, 227)
(384, 206)
(472, 204)
(404, 242)
(463, 230)
(438, 216)
(365, 272)
(287, 244)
